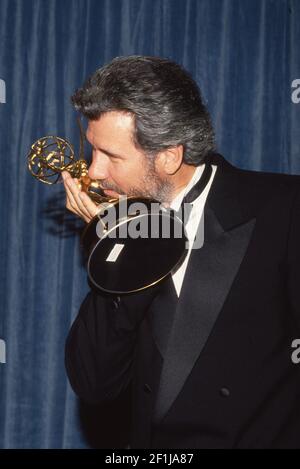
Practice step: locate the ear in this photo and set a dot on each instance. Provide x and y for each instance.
(169, 161)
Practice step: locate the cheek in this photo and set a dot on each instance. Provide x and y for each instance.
(118, 177)
(127, 176)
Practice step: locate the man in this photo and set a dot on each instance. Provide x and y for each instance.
(206, 353)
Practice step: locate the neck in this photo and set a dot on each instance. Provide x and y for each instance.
(181, 179)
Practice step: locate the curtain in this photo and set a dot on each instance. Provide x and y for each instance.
(245, 56)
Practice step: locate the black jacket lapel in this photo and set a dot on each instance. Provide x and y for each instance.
(161, 314)
(207, 282)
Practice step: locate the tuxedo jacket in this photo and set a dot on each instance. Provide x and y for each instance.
(214, 368)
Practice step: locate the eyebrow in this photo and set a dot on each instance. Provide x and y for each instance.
(107, 152)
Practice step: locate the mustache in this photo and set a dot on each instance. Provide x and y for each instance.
(106, 185)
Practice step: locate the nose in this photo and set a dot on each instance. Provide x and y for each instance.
(99, 166)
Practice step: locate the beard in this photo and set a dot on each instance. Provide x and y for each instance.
(152, 185)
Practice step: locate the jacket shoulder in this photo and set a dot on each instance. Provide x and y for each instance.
(261, 183)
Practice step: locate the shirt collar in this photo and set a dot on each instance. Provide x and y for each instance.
(175, 204)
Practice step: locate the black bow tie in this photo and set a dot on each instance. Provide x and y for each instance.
(199, 187)
(186, 204)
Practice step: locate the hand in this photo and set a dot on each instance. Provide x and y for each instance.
(78, 201)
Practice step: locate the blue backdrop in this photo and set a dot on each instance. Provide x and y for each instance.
(245, 55)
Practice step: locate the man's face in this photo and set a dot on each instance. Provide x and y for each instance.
(118, 164)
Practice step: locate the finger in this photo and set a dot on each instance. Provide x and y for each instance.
(70, 201)
(91, 208)
(73, 193)
(73, 207)
(79, 202)
(89, 205)
(87, 219)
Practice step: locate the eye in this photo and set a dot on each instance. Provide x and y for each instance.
(114, 159)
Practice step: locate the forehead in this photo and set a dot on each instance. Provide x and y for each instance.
(111, 126)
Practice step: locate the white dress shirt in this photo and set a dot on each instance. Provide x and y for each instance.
(193, 220)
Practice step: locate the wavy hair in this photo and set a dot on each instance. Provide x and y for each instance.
(163, 98)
